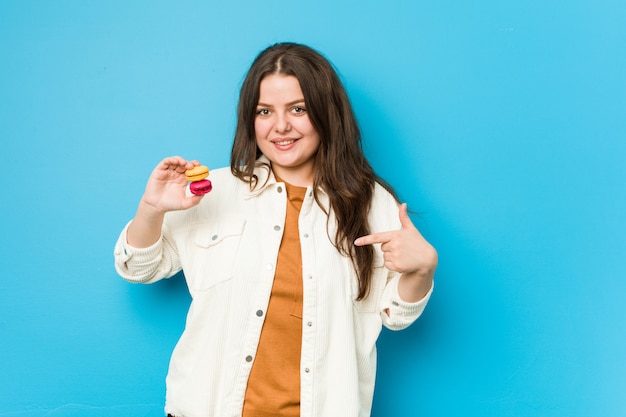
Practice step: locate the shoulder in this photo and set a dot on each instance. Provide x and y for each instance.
(222, 174)
(227, 192)
(383, 213)
(383, 199)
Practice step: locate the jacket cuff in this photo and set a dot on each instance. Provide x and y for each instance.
(396, 313)
(132, 263)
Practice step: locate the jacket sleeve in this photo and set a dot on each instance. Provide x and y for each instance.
(146, 265)
(398, 314)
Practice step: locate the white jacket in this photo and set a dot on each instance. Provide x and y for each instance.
(227, 247)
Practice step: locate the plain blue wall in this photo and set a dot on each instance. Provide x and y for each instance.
(502, 123)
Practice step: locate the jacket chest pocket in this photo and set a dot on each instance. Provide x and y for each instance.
(215, 251)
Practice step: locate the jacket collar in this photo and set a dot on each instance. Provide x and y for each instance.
(267, 179)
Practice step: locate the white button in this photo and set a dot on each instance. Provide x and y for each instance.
(248, 358)
(310, 324)
(277, 227)
(306, 235)
(279, 189)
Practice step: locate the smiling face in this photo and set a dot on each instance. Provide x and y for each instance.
(284, 132)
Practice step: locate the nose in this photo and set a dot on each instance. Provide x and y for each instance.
(282, 123)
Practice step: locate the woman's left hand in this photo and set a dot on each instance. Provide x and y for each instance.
(406, 251)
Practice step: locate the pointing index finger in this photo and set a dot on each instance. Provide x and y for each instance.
(373, 239)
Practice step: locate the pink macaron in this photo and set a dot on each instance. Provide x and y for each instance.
(201, 187)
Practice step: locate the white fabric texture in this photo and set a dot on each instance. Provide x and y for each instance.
(227, 247)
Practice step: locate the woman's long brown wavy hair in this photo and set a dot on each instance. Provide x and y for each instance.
(341, 168)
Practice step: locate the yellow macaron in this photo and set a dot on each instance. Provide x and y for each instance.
(197, 173)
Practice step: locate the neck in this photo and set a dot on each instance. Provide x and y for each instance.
(297, 176)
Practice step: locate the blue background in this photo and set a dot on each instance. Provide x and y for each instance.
(501, 122)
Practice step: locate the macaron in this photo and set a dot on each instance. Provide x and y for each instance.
(201, 187)
(197, 173)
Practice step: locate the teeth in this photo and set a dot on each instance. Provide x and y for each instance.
(285, 142)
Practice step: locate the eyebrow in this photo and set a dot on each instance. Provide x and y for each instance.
(291, 103)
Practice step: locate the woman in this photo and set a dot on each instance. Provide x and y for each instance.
(294, 261)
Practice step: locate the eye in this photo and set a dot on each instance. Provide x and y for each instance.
(262, 112)
(298, 109)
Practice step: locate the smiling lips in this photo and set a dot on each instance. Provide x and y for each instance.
(284, 143)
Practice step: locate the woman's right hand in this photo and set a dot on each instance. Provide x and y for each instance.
(165, 191)
(166, 187)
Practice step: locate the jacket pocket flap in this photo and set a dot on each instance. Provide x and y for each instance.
(211, 236)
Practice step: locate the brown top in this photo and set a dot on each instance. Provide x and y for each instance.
(274, 383)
